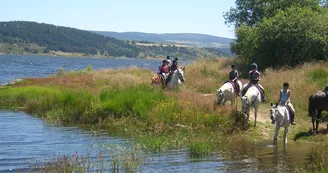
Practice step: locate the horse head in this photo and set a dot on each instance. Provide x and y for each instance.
(273, 112)
(245, 104)
(220, 96)
(180, 73)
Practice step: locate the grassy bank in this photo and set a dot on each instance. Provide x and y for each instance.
(123, 101)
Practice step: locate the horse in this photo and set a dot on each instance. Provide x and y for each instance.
(227, 92)
(177, 78)
(252, 98)
(318, 102)
(280, 115)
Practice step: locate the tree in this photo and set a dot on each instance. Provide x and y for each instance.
(250, 12)
(291, 37)
(27, 49)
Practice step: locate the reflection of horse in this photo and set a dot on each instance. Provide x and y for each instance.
(228, 92)
(318, 102)
(252, 98)
(280, 115)
(177, 78)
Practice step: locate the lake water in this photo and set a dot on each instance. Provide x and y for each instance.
(23, 137)
(13, 66)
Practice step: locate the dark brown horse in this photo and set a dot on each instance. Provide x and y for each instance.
(318, 102)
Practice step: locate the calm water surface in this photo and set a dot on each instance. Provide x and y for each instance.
(23, 136)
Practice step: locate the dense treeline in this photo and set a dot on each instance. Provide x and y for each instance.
(275, 33)
(64, 39)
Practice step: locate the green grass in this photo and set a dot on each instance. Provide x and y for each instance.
(318, 76)
(199, 149)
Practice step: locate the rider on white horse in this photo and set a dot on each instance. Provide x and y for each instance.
(279, 115)
(230, 89)
(254, 77)
(172, 69)
(233, 77)
(284, 99)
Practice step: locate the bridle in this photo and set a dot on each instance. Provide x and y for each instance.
(180, 75)
(221, 94)
(247, 107)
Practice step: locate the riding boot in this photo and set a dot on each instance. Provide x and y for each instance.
(166, 82)
(264, 99)
(237, 89)
(243, 92)
(292, 118)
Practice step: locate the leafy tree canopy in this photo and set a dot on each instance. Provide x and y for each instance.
(249, 12)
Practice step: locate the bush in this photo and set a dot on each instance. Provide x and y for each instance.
(290, 38)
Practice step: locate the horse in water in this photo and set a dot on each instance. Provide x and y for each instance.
(252, 98)
(318, 102)
(227, 92)
(177, 78)
(280, 115)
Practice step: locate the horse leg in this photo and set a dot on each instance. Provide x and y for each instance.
(317, 121)
(285, 135)
(275, 137)
(255, 116)
(224, 101)
(313, 127)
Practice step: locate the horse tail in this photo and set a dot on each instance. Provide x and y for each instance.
(311, 108)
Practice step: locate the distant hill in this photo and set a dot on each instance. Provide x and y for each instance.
(19, 37)
(199, 40)
(65, 39)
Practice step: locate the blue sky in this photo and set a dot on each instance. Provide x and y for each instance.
(165, 16)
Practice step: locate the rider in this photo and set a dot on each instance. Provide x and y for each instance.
(168, 60)
(172, 68)
(233, 77)
(163, 69)
(284, 99)
(254, 77)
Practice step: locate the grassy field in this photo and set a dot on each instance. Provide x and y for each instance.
(123, 101)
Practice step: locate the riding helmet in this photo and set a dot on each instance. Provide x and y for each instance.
(254, 65)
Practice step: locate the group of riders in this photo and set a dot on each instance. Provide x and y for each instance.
(254, 78)
(166, 70)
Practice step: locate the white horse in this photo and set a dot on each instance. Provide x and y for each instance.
(177, 78)
(252, 98)
(280, 115)
(227, 92)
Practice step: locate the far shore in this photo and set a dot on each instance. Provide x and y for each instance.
(76, 55)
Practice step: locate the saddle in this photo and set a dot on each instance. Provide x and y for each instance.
(257, 86)
(235, 86)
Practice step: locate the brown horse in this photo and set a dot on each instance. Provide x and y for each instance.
(318, 102)
(158, 79)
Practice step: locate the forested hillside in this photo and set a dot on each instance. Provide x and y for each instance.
(197, 40)
(64, 39)
(19, 37)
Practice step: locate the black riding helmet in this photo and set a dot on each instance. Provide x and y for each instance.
(286, 84)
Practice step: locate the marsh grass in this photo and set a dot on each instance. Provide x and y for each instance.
(122, 100)
(113, 158)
